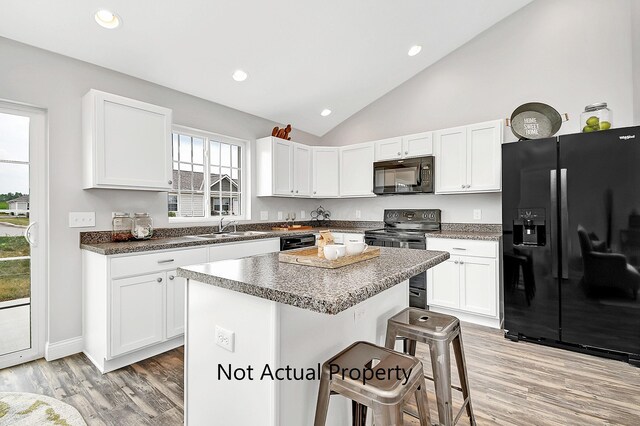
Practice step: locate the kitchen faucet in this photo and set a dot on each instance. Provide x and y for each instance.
(222, 227)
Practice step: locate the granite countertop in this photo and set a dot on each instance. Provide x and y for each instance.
(328, 291)
(187, 241)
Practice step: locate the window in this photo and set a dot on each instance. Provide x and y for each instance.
(208, 176)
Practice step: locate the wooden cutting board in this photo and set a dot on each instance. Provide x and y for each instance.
(308, 256)
(292, 228)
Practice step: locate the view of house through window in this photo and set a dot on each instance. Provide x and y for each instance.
(207, 174)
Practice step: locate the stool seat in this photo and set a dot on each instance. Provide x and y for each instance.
(391, 379)
(438, 331)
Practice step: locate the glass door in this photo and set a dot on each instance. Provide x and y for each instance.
(21, 136)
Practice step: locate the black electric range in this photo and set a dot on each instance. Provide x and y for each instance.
(408, 229)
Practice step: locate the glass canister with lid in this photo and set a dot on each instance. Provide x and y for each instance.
(121, 224)
(142, 226)
(596, 117)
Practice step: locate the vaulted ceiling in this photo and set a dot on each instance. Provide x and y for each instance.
(301, 57)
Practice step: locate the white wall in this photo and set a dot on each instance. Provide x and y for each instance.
(57, 83)
(568, 54)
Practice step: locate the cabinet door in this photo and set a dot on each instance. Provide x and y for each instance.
(388, 149)
(137, 312)
(478, 285)
(484, 156)
(176, 288)
(443, 284)
(417, 145)
(282, 167)
(451, 160)
(356, 170)
(123, 135)
(302, 170)
(326, 172)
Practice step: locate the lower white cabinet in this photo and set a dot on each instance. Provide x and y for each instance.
(137, 312)
(176, 288)
(467, 285)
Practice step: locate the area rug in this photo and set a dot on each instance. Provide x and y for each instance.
(29, 409)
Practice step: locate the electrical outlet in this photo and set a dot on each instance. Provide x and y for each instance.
(82, 219)
(358, 314)
(264, 215)
(477, 214)
(303, 214)
(279, 215)
(225, 338)
(358, 214)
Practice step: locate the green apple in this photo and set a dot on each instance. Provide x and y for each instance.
(588, 129)
(593, 121)
(605, 125)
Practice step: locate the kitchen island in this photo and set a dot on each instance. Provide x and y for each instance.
(257, 330)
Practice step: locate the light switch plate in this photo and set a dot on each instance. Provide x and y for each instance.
(279, 215)
(358, 214)
(477, 214)
(82, 219)
(264, 215)
(303, 214)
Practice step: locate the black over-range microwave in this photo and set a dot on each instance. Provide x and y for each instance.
(407, 176)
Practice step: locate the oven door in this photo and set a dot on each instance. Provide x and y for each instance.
(413, 175)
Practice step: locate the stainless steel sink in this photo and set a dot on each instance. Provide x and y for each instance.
(218, 235)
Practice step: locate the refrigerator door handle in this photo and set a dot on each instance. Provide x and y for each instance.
(553, 191)
(564, 223)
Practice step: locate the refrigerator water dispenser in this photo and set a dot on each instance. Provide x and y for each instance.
(529, 227)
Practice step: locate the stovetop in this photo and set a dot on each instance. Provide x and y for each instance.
(408, 223)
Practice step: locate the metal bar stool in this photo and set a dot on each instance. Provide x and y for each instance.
(438, 331)
(385, 394)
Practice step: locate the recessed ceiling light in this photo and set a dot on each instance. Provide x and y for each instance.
(325, 112)
(107, 19)
(239, 75)
(414, 50)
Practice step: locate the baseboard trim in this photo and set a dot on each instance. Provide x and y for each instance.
(469, 317)
(57, 350)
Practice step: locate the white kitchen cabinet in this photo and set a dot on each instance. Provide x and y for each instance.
(302, 166)
(120, 135)
(176, 288)
(416, 145)
(237, 250)
(326, 172)
(467, 285)
(388, 149)
(136, 312)
(356, 170)
(283, 168)
(468, 158)
(132, 308)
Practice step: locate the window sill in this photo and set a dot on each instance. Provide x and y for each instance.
(205, 220)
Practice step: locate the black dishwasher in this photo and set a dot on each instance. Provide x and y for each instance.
(297, 241)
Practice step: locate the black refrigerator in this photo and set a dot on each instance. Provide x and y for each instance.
(571, 247)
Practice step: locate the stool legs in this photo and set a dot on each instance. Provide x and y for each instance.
(322, 406)
(388, 415)
(441, 364)
(358, 414)
(423, 404)
(458, 350)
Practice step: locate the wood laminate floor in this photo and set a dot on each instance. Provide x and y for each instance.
(511, 384)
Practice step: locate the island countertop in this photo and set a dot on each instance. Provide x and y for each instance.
(328, 291)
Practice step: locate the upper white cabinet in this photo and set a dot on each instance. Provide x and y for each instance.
(417, 145)
(468, 158)
(302, 163)
(120, 135)
(326, 173)
(356, 170)
(283, 168)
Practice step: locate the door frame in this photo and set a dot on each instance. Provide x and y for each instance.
(39, 212)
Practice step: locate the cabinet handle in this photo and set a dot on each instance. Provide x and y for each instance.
(461, 262)
(456, 262)
(159, 279)
(171, 277)
(292, 191)
(170, 182)
(406, 153)
(165, 261)
(296, 191)
(458, 248)
(463, 186)
(314, 192)
(399, 153)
